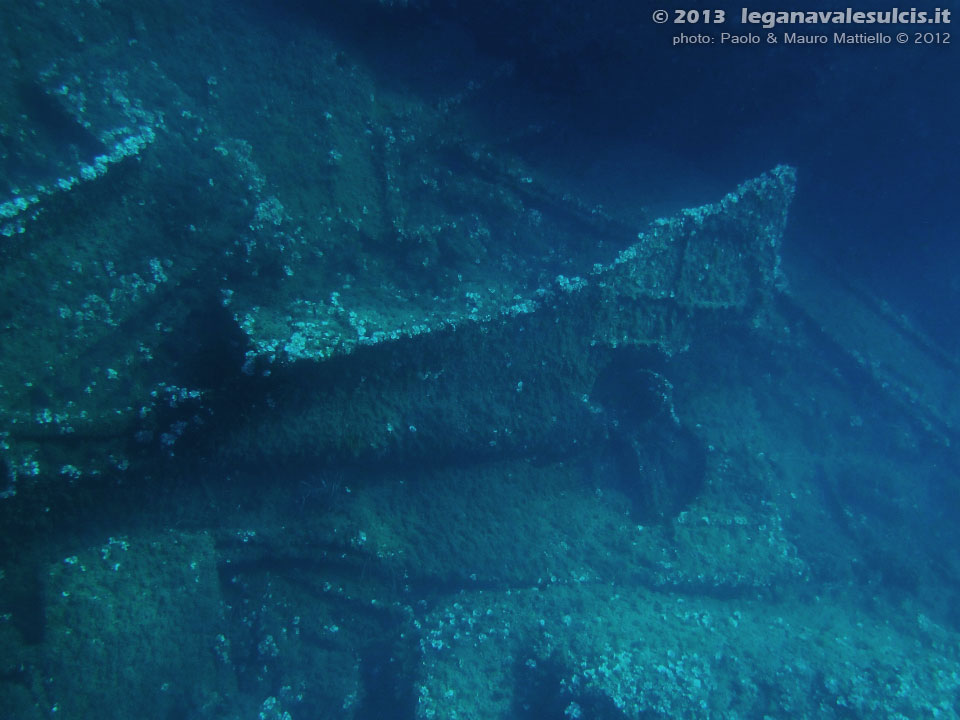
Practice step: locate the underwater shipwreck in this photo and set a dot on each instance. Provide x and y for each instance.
(319, 401)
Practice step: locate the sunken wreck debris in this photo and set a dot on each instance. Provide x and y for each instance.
(360, 374)
(179, 273)
(317, 400)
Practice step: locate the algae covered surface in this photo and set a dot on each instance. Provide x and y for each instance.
(336, 383)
